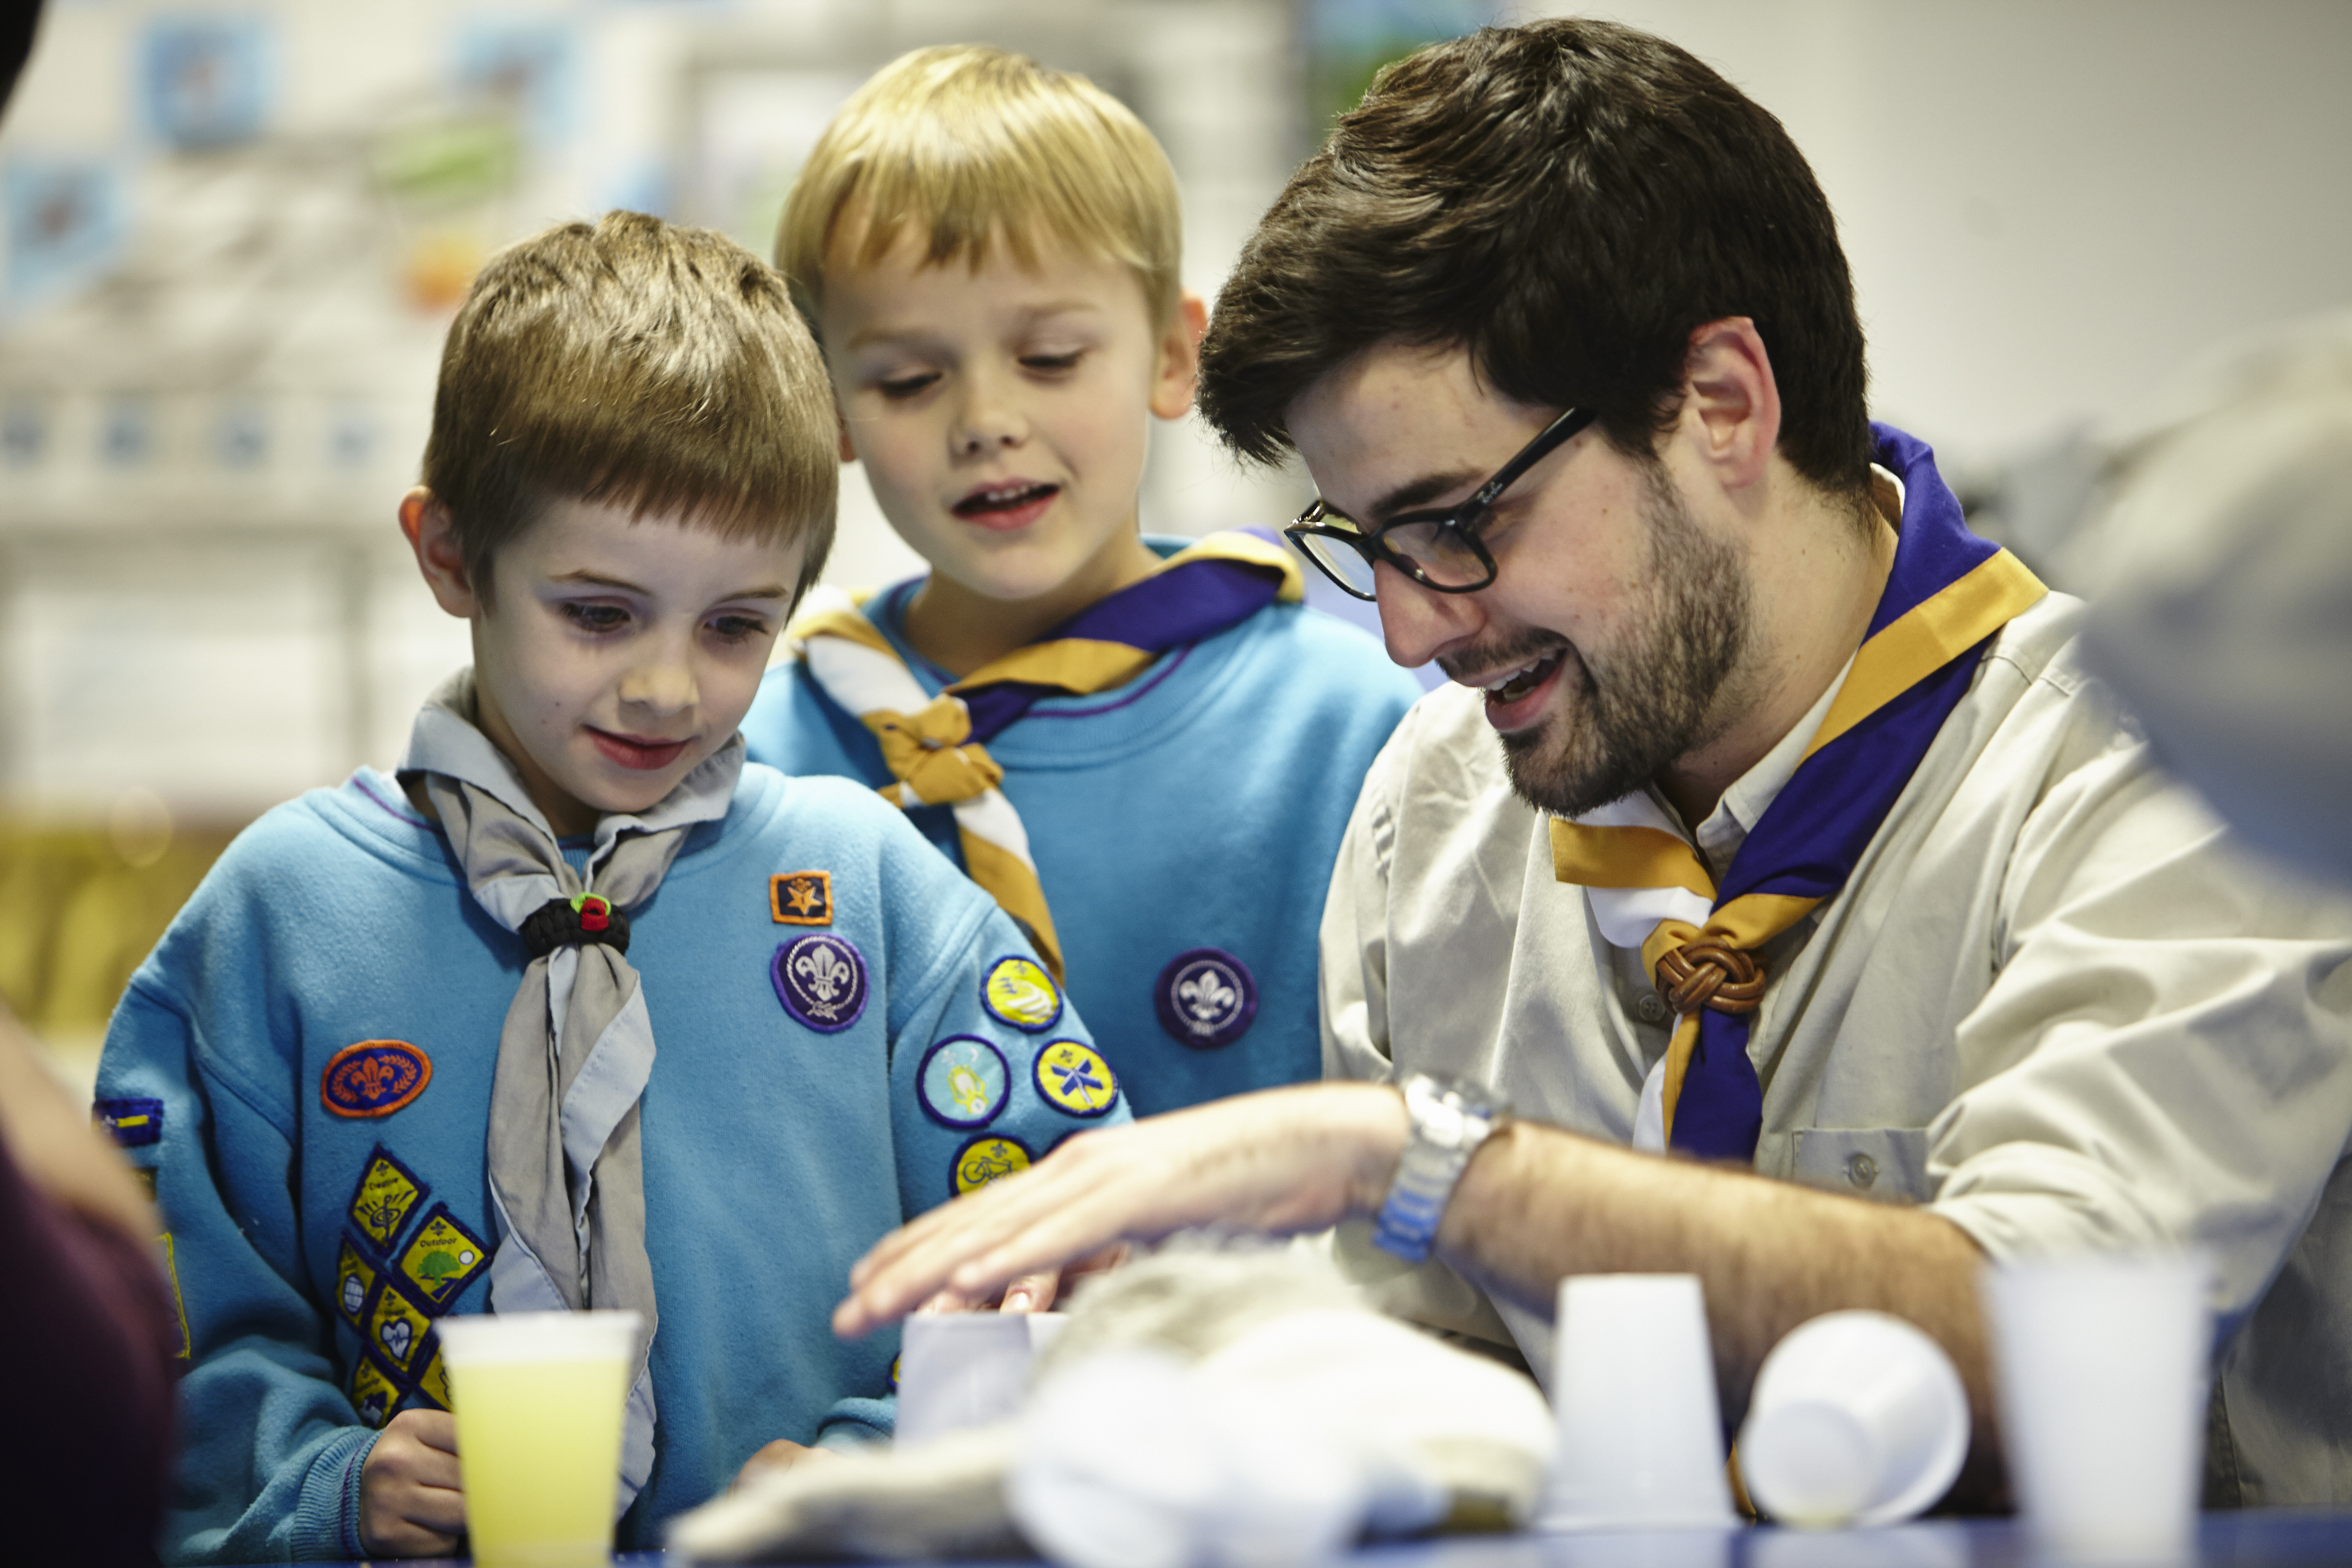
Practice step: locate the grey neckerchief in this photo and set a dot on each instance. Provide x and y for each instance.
(567, 1179)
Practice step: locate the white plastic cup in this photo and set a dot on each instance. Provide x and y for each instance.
(1641, 1433)
(961, 1370)
(2102, 1364)
(539, 1398)
(1857, 1418)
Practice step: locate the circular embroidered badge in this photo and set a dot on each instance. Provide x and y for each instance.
(374, 1078)
(1021, 994)
(983, 1160)
(1074, 1078)
(821, 980)
(1206, 998)
(961, 1081)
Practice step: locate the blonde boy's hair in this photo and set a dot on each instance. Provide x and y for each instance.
(640, 365)
(983, 146)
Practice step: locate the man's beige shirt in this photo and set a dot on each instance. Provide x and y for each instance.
(2053, 1003)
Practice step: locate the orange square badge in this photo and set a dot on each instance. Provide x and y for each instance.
(801, 897)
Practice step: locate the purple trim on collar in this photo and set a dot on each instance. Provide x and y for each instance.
(404, 814)
(1143, 689)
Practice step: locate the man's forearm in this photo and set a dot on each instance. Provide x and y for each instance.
(1537, 1203)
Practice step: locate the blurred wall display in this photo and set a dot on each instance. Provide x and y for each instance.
(203, 82)
(233, 233)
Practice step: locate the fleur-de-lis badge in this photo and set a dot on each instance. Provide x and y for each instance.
(826, 972)
(821, 981)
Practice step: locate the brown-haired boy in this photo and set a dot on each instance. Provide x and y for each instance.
(402, 1041)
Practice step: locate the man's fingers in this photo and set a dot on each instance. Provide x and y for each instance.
(1032, 1292)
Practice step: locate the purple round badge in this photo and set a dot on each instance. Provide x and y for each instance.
(821, 981)
(1206, 998)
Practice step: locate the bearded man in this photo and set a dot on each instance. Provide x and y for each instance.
(1825, 926)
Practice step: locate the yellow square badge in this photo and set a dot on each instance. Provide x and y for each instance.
(442, 1257)
(801, 897)
(354, 1278)
(434, 1383)
(374, 1393)
(387, 1191)
(396, 1327)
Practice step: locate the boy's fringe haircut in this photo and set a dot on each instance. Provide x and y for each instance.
(638, 364)
(979, 146)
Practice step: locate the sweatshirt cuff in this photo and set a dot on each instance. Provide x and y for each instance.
(327, 1520)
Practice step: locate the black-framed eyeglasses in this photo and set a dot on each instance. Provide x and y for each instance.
(1439, 549)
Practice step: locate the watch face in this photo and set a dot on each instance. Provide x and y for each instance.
(1452, 1111)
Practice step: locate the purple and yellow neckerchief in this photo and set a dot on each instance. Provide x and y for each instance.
(1948, 592)
(936, 747)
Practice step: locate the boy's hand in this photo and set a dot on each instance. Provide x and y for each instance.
(411, 1504)
(781, 1454)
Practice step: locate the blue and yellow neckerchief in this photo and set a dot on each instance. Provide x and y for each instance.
(935, 747)
(1948, 592)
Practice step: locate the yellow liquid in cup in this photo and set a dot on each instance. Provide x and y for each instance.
(539, 1443)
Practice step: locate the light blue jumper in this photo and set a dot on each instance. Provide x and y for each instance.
(790, 1121)
(1184, 827)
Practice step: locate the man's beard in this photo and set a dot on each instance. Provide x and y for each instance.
(1642, 706)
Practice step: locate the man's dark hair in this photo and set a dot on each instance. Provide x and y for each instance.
(1567, 200)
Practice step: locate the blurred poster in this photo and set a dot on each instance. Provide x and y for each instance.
(204, 82)
(753, 129)
(527, 68)
(1348, 42)
(65, 223)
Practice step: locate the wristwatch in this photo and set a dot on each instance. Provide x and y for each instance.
(1450, 1117)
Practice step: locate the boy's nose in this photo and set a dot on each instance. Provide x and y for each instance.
(1417, 623)
(989, 419)
(663, 684)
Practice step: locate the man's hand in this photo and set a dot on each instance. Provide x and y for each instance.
(1280, 1162)
(411, 1504)
(781, 1454)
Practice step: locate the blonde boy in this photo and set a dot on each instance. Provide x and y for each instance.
(1145, 749)
(396, 1058)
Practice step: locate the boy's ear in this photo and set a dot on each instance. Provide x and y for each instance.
(848, 452)
(1179, 358)
(433, 536)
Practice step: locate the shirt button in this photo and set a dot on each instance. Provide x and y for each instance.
(1860, 1170)
(1650, 1007)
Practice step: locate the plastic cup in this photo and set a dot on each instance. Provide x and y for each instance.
(539, 1397)
(1857, 1418)
(961, 1370)
(1641, 1433)
(2102, 1364)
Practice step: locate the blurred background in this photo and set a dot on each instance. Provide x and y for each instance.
(232, 235)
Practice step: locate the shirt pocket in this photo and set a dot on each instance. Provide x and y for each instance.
(1885, 1163)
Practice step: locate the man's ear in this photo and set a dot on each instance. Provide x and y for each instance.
(1731, 403)
(433, 536)
(1179, 364)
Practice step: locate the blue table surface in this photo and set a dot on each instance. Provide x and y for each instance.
(2254, 1539)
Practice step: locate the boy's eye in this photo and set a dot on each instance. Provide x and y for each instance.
(739, 628)
(1051, 363)
(594, 617)
(896, 386)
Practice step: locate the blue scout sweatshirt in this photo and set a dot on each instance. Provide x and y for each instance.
(1184, 827)
(848, 1033)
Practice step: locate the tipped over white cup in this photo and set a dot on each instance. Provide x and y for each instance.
(1857, 1418)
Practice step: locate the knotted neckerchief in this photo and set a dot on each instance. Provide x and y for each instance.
(1948, 593)
(935, 747)
(567, 1178)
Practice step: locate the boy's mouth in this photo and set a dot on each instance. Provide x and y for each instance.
(645, 756)
(1015, 503)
